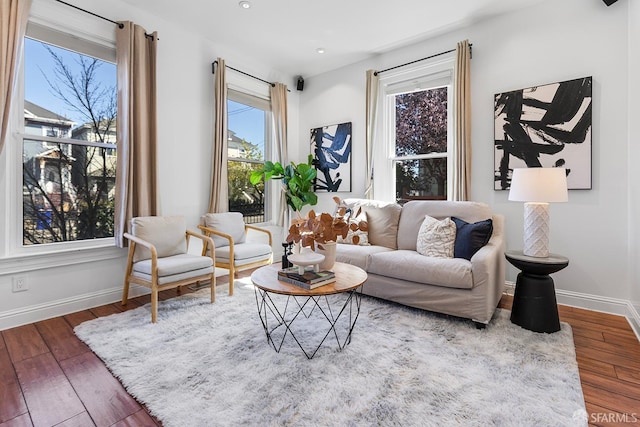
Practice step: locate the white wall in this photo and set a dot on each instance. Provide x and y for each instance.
(634, 151)
(185, 111)
(551, 42)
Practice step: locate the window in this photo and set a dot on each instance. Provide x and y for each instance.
(421, 144)
(248, 119)
(68, 139)
(417, 108)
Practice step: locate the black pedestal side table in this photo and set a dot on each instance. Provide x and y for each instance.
(534, 301)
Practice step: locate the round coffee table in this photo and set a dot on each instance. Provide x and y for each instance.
(337, 305)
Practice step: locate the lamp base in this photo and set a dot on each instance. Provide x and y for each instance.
(536, 229)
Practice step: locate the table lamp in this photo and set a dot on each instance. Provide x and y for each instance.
(537, 187)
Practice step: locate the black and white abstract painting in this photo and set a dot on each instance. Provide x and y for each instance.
(331, 148)
(544, 126)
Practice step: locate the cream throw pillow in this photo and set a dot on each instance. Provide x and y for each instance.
(436, 238)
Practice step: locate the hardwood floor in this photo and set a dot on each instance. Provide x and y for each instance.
(48, 377)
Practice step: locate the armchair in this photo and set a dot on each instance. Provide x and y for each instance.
(233, 252)
(158, 258)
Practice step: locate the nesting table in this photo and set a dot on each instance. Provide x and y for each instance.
(534, 301)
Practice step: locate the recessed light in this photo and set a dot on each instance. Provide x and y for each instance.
(320, 50)
(244, 4)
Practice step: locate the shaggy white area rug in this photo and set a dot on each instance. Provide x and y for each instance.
(208, 364)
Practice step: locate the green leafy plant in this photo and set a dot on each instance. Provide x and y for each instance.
(297, 180)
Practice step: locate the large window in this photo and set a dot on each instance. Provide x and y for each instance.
(68, 140)
(248, 135)
(421, 121)
(417, 137)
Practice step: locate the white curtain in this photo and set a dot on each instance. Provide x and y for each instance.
(370, 123)
(278, 95)
(461, 188)
(13, 24)
(218, 199)
(136, 175)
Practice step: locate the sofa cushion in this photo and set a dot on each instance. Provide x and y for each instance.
(231, 223)
(166, 233)
(411, 266)
(358, 255)
(436, 237)
(471, 237)
(413, 213)
(383, 218)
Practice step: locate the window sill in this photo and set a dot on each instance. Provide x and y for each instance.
(41, 261)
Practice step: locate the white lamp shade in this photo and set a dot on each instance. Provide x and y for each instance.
(539, 185)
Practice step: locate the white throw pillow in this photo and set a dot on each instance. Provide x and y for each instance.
(231, 223)
(436, 238)
(166, 233)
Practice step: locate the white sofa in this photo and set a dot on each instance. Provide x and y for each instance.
(397, 272)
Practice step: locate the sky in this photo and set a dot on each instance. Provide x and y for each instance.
(38, 64)
(246, 122)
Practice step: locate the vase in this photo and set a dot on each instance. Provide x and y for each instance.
(329, 251)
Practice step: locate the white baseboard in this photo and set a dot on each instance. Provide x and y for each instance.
(596, 303)
(48, 310)
(36, 313)
(603, 304)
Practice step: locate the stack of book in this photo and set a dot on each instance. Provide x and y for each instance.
(308, 280)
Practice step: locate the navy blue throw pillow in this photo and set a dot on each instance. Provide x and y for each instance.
(471, 237)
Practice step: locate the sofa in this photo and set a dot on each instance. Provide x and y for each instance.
(467, 288)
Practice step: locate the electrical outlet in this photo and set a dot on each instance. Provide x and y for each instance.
(20, 284)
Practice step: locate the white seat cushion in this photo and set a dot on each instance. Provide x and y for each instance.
(176, 264)
(175, 277)
(411, 266)
(244, 253)
(357, 255)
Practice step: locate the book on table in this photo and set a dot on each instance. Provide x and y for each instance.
(309, 279)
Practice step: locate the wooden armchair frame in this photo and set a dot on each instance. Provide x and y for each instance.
(153, 283)
(233, 269)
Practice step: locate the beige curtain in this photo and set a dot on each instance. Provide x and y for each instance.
(136, 177)
(461, 189)
(13, 24)
(218, 199)
(370, 124)
(278, 95)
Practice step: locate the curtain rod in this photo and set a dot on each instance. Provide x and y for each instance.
(213, 71)
(119, 24)
(422, 59)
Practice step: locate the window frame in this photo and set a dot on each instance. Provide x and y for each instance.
(61, 24)
(255, 93)
(427, 75)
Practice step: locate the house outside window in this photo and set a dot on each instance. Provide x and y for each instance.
(416, 129)
(248, 139)
(68, 139)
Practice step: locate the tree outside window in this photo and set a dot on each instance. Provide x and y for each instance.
(421, 144)
(245, 153)
(69, 145)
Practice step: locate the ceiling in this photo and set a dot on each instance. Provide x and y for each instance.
(284, 34)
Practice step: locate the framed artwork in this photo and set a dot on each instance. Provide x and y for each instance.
(544, 126)
(331, 148)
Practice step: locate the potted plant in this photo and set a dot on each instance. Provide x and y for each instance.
(297, 180)
(321, 232)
